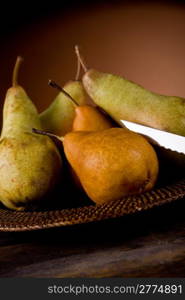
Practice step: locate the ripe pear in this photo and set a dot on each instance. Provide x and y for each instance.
(123, 99)
(58, 117)
(87, 117)
(111, 163)
(30, 165)
(90, 118)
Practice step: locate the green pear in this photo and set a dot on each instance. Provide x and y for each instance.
(30, 165)
(58, 117)
(123, 99)
(111, 163)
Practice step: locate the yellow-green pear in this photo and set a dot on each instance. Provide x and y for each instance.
(58, 117)
(111, 163)
(123, 99)
(30, 165)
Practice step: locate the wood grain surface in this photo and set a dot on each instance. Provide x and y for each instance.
(147, 244)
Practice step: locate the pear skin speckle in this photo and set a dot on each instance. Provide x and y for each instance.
(112, 163)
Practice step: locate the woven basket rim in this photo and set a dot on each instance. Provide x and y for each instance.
(27, 220)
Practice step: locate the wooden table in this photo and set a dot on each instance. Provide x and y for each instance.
(147, 244)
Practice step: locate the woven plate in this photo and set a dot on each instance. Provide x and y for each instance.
(27, 220)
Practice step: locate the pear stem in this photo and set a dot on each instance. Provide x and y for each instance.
(38, 131)
(81, 59)
(58, 87)
(78, 70)
(18, 62)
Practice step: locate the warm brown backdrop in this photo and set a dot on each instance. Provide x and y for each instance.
(143, 41)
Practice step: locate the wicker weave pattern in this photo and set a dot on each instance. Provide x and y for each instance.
(22, 221)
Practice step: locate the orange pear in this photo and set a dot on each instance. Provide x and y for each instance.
(87, 117)
(111, 163)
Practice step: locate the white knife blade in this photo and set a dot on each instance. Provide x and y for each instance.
(164, 139)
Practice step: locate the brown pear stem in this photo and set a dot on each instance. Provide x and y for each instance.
(38, 131)
(59, 88)
(81, 59)
(18, 62)
(78, 70)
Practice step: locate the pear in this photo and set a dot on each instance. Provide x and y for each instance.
(58, 117)
(111, 163)
(30, 165)
(87, 117)
(124, 99)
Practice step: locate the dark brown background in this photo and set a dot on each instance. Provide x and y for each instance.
(141, 40)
